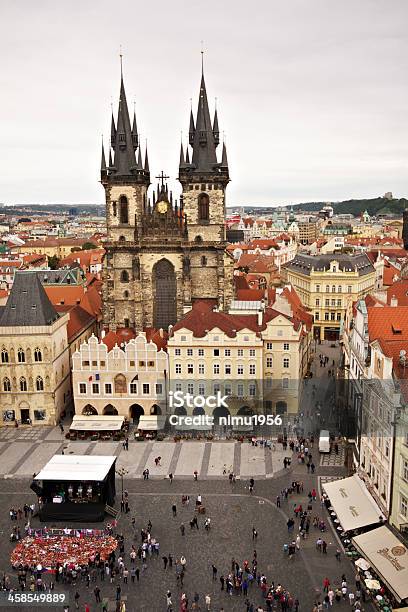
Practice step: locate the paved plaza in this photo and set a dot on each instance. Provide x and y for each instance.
(20, 456)
(231, 507)
(233, 512)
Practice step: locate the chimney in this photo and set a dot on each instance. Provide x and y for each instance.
(103, 334)
(394, 301)
(161, 333)
(260, 317)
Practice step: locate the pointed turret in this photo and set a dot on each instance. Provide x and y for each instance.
(224, 160)
(216, 130)
(191, 130)
(139, 160)
(146, 164)
(110, 158)
(204, 156)
(123, 146)
(113, 131)
(182, 160)
(103, 163)
(135, 136)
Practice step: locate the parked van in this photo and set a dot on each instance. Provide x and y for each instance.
(324, 441)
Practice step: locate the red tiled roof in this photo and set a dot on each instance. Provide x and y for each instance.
(390, 274)
(250, 295)
(400, 291)
(299, 311)
(201, 319)
(68, 294)
(389, 323)
(240, 282)
(122, 334)
(79, 319)
(257, 263)
(153, 335)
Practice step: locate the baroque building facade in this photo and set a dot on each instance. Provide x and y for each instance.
(162, 255)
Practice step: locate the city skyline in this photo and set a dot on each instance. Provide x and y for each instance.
(312, 103)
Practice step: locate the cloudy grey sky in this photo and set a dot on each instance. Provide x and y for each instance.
(312, 94)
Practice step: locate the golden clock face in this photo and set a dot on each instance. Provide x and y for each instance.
(162, 207)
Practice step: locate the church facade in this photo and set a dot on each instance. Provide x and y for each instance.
(162, 255)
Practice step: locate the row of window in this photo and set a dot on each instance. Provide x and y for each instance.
(329, 316)
(133, 388)
(203, 202)
(216, 369)
(132, 363)
(21, 355)
(226, 388)
(349, 288)
(22, 384)
(327, 302)
(227, 351)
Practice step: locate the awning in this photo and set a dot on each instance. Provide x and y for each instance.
(151, 422)
(76, 468)
(388, 557)
(352, 503)
(97, 423)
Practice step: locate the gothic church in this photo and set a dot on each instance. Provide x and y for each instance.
(162, 255)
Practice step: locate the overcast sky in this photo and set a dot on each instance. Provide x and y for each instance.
(312, 94)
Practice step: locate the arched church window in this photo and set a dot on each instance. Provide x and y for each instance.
(203, 207)
(124, 276)
(37, 354)
(114, 208)
(126, 294)
(23, 384)
(198, 239)
(39, 383)
(122, 239)
(203, 260)
(123, 210)
(4, 356)
(20, 355)
(6, 384)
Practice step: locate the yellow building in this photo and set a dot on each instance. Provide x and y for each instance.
(34, 356)
(257, 358)
(325, 283)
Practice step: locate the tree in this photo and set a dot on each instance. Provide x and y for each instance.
(53, 262)
(89, 245)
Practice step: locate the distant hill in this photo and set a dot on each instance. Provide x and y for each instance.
(374, 206)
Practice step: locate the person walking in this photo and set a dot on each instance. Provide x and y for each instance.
(182, 529)
(254, 533)
(97, 593)
(169, 602)
(214, 572)
(174, 510)
(208, 601)
(76, 598)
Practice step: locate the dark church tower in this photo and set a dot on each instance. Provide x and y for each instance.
(204, 180)
(162, 255)
(126, 180)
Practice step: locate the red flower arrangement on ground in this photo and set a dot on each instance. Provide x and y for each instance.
(48, 551)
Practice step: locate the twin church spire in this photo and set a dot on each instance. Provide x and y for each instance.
(125, 156)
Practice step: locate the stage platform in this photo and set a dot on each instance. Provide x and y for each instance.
(70, 512)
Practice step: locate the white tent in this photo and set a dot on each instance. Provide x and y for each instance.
(388, 556)
(352, 503)
(77, 467)
(151, 422)
(97, 423)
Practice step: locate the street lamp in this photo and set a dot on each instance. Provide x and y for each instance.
(122, 472)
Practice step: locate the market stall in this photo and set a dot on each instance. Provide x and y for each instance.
(150, 424)
(103, 427)
(75, 488)
(388, 558)
(351, 505)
